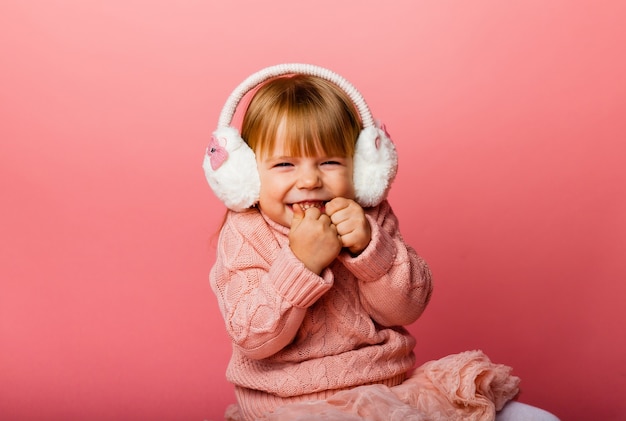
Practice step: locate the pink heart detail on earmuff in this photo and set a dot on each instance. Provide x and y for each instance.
(217, 153)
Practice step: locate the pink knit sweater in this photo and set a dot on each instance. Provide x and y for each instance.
(296, 333)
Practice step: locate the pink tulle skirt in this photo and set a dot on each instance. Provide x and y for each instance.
(465, 386)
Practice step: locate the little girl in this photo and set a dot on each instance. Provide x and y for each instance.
(312, 276)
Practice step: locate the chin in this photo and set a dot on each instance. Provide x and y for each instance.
(287, 220)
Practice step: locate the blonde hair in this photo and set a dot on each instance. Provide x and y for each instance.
(316, 116)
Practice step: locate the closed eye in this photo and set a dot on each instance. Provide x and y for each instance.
(283, 164)
(331, 163)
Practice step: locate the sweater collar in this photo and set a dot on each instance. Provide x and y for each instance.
(274, 225)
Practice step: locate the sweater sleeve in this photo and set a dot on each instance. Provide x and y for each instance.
(263, 290)
(395, 283)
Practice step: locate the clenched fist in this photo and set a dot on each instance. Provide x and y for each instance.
(352, 225)
(313, 238)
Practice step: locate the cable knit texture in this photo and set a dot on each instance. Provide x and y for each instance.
(301, 336)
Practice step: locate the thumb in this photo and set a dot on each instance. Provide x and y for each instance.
(298, 213)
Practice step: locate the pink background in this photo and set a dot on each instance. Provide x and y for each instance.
(509, 118)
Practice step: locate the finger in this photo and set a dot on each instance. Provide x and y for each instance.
(310, 212)
(325, 219)
(298, 212)
(336, 205)
(337, 218)
(344, 230)
(341, 214)
(341, 239)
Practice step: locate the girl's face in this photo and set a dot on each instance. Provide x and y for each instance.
(309, 181)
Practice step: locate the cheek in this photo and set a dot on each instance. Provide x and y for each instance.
(272, 188)
(349, 193)
(347, 186)
(266, 182)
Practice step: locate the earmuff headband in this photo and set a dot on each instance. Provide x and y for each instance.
(254, 80)
(230, 165)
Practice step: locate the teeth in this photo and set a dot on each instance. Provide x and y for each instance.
(310, 205)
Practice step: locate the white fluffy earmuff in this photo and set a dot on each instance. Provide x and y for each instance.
(230, 165)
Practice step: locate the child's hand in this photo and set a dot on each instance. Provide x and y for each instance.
(313, 238)
(352, 225)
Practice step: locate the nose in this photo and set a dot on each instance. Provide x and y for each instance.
(309, 178)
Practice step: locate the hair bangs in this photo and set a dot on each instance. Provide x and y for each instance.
(308, 115)
(309, 130)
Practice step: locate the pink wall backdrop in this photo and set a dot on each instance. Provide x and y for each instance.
(510, 122)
